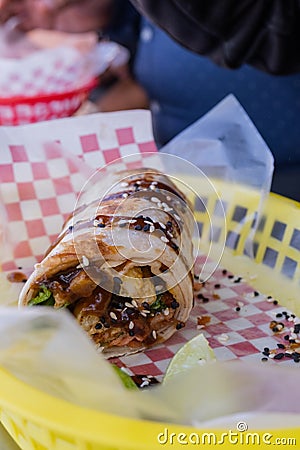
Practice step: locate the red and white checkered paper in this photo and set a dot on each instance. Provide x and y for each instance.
(44, 166)
(39, 184)
(246, 331)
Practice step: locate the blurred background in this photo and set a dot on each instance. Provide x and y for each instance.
(155, 73)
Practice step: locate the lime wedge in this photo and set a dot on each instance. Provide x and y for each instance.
(194, 352)
(125, 378)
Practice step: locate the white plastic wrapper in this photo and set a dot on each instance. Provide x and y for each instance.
(227, 147)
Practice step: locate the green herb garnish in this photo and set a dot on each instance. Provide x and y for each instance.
(125, 378)
(158, 305)
(44, 298)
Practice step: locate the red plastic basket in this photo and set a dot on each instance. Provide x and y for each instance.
(23, 110)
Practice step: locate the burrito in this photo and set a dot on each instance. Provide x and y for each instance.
(123, 263)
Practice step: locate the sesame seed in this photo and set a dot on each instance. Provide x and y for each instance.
(293, 336)
(147, 222)
(170, 234)
(134, 303)
(155, 200)
(113, 315)
(166, 312)
(129, 305)
(281, 346)
(131, 325)
(177, 217)
(125, 195)
(159, 204)
(264, 359)
(224, 272)
(179, 325)
(278, 315)
(174, 304)
(169, 198)
(144, 383)
(271, 355)
(275, 302)
(237, 308)
(143, 314)
(223, 337)
(154, 182)
(152, 187)
(146, 311)
(132, 221)
(162, 225)
(85, 261)
(240, 304)
(159, 287)
(164, 239)
(124, 184)
(152, 228)
(154, 334)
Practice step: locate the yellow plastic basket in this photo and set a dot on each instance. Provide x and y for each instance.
(37, 421)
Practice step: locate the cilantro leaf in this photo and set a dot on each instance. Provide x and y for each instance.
(158, 305)
(44, 298)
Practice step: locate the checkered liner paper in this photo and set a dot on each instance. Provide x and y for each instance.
(39, 186)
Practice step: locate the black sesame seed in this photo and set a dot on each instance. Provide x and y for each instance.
(205, 300)
(20, 268)
(238, 280)
(296, 360)
(293, 316)
(71, 227)
(237, 308)
(292, 341)
(98, 326)
(269, 297)
(278, 315)
(148, 219)
(286, 337)
(102, 319)
(24, 280)
(146, 227)
(196, 277)
(284, 313)
(230, 277)
(169, 223)
(217, 286)
(266, 353)
(279, 356)
(256, 294)
(140, 217)
(266, 349)
(275, 302)
(288, 355)
(180, 325)
(138, 227)
(174, 304)
(297, 328)
(146, 305)
(131, 333)
(224, 271)
(264, 359)
(200, 296)
(101, 225)
(106, 325)
(281, 346)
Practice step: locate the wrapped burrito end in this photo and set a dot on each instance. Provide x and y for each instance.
(124, 269)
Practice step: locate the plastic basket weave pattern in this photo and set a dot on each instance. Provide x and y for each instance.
(39, 422)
